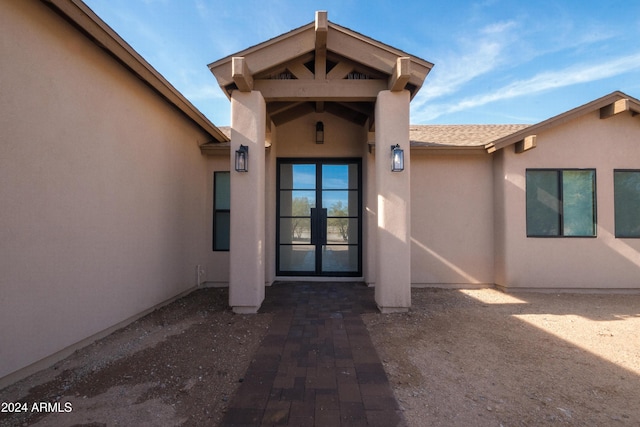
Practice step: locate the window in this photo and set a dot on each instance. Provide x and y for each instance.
(561, 203)
(626, 195)
(221, 215)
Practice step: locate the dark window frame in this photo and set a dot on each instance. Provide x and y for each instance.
(615, 207)
(561, 224)
(319, 161)
(216, 211)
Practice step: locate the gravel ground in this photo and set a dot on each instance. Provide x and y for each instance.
(458, 358)
(486, 358)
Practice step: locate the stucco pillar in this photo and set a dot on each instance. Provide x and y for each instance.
(393, 243)
(246, 247)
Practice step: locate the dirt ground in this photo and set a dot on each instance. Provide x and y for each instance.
(486, 358)
(458, 358)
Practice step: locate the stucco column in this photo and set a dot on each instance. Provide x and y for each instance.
(246, 247)
(393, 243)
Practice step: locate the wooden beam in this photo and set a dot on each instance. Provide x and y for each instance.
(241, 75)
(490, 147)
(617, 107)
(401, 74)
(274, 108)
(285, 116)
(320, 90)
(361, 107)
(300, 71)
(340, 70)
(341, 110)
(528, 143)
(268, 55)
(322, 29)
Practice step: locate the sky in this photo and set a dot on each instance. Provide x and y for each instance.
(496, 61)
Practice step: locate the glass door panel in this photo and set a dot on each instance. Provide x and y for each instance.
(319, 225)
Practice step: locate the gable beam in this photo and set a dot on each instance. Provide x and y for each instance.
(340, 71)
(528, 143)
(322, 28)
(320, 90)
(284, 116)
(241, 75)
(620, 106)
(401, 74)
(300, 71)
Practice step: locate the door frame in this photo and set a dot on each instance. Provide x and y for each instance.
(319, 161)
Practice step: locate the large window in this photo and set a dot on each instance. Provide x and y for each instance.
(561, 203)
(626, 185)
(221, 215)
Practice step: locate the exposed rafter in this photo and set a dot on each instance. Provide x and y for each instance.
(241, 75)
(617, 107)
(528, 143)
(297, 110)
(300, 71)
(401, 74)
(341, 70)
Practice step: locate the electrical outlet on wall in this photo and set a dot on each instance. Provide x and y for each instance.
(201, 274)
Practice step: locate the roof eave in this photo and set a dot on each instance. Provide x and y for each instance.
(301, 41)
(86, 21)
(634, 107)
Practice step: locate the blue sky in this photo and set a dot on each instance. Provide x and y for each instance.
(495, 61)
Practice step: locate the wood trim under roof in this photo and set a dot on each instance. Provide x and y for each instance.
(614, 103)
(86, 21)
(318, 43)
(320, 67)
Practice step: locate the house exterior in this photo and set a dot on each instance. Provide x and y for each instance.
(102, 184)
(118, 195)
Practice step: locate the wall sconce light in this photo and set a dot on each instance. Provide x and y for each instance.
(242, 159)
(397, 158)
(319, 133)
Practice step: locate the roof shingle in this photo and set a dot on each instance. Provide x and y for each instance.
(459, 135)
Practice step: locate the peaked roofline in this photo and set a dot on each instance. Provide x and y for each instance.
(608, 101)
(339, 40)
(78, 14)
(311, 26)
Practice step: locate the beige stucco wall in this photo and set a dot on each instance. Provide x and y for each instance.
(101, 188)
(295, 138)
(593, 263)
(451, 218)
(342, 138)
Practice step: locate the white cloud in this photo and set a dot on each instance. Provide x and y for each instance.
(479, 55)
(575, 74)
(498, 27)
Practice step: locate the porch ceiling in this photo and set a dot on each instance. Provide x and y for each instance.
(321, 67)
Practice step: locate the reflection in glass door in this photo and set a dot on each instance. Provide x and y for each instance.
(319, 224)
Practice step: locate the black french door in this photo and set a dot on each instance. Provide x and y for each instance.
(319, 224)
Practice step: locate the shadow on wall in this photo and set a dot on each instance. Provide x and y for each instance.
(605, 238)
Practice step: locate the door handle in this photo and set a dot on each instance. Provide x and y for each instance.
(318, 226)
(323, 226)
(314, 226)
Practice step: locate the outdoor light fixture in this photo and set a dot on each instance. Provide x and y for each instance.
(319, 133)
(242, 159)
(397, 158)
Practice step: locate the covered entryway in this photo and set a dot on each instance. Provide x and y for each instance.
(319, 224)
(310, 206)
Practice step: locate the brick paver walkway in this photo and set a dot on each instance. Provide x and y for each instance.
(317, 365)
